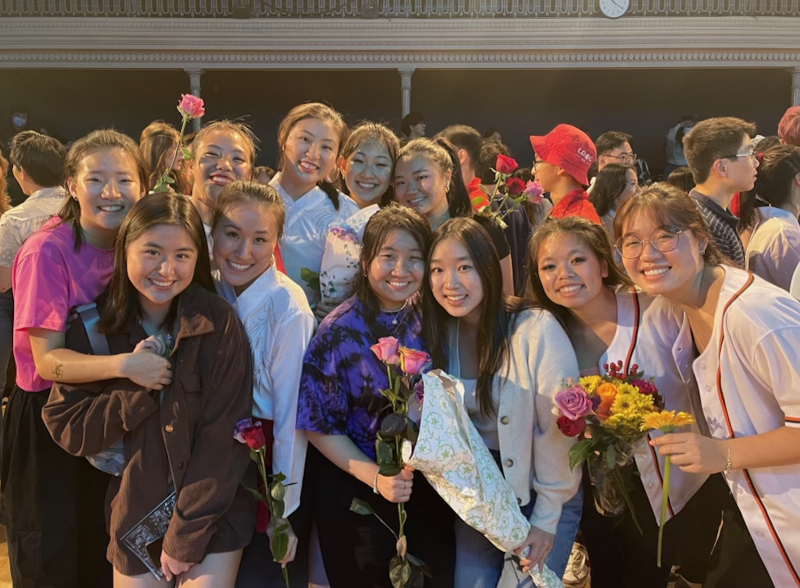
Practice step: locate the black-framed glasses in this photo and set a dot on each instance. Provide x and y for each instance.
(626, 158)
(631, 247)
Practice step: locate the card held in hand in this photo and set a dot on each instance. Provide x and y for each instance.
(150, 531)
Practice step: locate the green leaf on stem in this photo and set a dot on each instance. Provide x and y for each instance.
(361, 507)
(277, 507)
(412, 431)
(186, 153)
(278, 491)
(389, 470)
(611, 457)
(279, 477)
(415, 578)
(311, 278)
(399, 571)
(579, 453)
(280, 545)
(393, 425)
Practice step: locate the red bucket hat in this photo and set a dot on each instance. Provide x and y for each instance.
(569, 148)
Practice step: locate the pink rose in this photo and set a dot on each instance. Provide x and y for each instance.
(191, 106)
(506, 165)
(413, 362)
(534, 191)
(569, 427)
(386, 350)
(574, 403)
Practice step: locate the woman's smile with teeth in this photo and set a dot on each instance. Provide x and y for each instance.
(456, 297)
(239, 266)
(366, 185)
(307, 166)
(394, 284)
(656, 271)
(570, 289)
(111, 208)
(162, 283)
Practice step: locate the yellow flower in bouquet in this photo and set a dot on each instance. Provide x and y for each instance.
(591, 383)
(667, 421)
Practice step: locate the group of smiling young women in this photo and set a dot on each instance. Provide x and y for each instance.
(183, 365)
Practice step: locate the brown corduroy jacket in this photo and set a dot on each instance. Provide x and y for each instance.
(181, 439)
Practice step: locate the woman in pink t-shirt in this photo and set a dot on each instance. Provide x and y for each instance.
(51, 502)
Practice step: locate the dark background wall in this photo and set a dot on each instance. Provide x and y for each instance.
(644, 103)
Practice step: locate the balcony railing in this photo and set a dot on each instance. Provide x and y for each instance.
(387, 8)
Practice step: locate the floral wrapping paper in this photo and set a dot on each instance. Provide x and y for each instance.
(456, 462)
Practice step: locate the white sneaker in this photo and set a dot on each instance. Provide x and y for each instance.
(577, 573)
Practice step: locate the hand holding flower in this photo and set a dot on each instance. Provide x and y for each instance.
(694, 453)
(397, 488)
(291, 551)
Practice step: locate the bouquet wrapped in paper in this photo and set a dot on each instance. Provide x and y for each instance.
(450, 453)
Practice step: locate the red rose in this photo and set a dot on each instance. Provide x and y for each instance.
(506, 165)
(646, 387)
(250, 431)
(571, 428)
(515, 186)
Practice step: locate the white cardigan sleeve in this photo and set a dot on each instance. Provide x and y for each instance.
(554, 361)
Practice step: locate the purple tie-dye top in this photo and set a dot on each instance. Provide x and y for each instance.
(342, 377)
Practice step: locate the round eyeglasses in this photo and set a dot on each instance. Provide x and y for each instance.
(631, 247)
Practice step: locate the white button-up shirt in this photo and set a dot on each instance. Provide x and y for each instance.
(773, 252)
(660, 353)
(22, 221)
(307, 222)
(750, 384)
(279, 324)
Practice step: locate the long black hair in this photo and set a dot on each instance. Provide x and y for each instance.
(497, 310)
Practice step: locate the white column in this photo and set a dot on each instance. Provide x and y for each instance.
(796, 86)
(405, 87)
(194, 88)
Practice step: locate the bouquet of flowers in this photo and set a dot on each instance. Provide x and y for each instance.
(514, 191)
(404, 366)
(608, 413)
(251, 433)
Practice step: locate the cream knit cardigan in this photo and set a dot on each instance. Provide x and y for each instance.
(534, 453)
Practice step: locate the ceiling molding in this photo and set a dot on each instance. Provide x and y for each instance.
(383, 44)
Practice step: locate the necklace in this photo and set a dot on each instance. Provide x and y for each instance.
(395, 312)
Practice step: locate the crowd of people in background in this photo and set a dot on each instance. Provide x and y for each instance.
(141, 327)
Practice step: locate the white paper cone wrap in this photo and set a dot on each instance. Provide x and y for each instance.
(456, 462)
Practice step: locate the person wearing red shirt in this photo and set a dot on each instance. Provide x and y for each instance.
(561, 164)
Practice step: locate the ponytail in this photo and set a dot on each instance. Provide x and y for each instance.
(330, 191)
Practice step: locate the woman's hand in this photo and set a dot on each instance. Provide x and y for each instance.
(172, 567)
(540, 544)
(153, 343)
(694, 453)
(397, 488)
(149, 370)
(291, 551)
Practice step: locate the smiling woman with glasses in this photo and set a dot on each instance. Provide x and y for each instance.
(575, 276)
(747, 333)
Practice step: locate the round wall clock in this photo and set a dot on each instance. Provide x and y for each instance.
(614, 8)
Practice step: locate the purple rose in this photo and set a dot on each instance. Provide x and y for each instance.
(574, 403)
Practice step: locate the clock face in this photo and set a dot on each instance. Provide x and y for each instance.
(614, 8)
